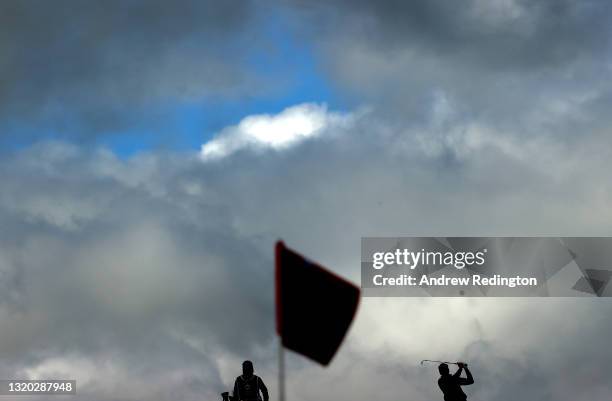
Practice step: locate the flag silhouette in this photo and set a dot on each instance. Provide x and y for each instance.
(314, 307)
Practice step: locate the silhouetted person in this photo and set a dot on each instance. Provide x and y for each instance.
(451, 385)
(248, 386)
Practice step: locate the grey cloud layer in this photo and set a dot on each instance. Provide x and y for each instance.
(107, 268)
(159, 267)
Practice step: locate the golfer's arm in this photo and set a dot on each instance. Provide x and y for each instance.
(264, 390)
(469, 379)
(458, 372)
(236, 391)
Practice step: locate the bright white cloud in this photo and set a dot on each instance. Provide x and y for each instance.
(287, 128)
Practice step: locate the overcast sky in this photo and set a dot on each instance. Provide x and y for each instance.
(151, 153)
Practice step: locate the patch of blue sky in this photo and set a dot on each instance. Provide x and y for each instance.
(287, 72)
(284, 66)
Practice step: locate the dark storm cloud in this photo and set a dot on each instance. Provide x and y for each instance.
(505, 35)
(498, 60)
(90, 66)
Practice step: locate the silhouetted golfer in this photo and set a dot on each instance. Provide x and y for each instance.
(248, 386)
(451, 385)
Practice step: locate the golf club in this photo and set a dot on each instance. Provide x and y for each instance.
(448, 363)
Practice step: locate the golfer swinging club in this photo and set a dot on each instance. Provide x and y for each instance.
(451, 385)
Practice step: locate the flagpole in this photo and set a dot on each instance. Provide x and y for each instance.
(281, 370)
